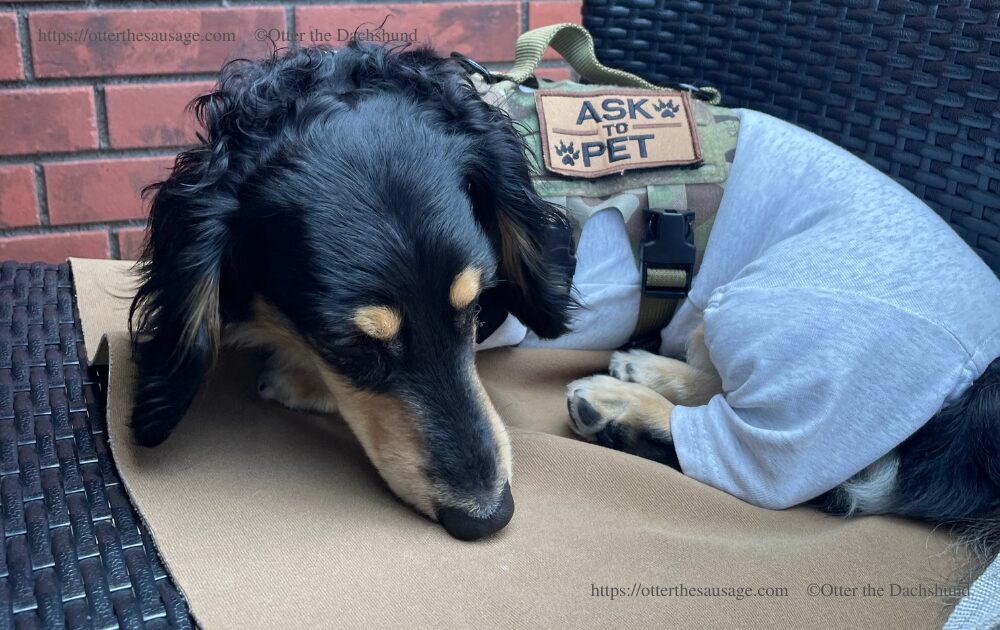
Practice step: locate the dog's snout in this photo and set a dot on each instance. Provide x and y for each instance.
(465, 526)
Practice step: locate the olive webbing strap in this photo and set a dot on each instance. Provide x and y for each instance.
(576, 46)
(654, 315)
(656, 312)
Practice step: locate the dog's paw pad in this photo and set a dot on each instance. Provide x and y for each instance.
(595, 401)
(289, 390)
(584, 418)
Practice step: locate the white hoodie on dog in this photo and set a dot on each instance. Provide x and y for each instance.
(841, 312)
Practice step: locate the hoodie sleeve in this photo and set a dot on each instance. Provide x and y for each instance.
(794, 423)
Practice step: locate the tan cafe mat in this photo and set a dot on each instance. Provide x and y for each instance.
(268, 518)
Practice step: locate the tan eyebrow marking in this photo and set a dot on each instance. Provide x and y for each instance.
(380, 322)
(465, 287)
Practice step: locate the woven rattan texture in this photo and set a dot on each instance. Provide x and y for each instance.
(911, 87)
(74, 554)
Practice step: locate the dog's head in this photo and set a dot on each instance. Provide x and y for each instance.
(354, 210)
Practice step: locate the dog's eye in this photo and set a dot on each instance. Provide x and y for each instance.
(366, 361)
(381, 347)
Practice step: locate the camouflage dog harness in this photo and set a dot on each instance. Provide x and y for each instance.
(657, 155)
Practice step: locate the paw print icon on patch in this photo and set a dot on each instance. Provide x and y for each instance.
(569, 153)
(668, 109)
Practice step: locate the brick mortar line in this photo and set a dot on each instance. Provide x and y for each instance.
(333, 3)
(290, 24)
(136, 79)
(101, 112)
(114, 251)
(24, 33)
(72, 228)
(112, 5)
(169, 79)
(158, 79)
(34, 6)
(92, 154)
(42, 196)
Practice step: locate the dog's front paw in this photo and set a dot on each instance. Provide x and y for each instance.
(645, 368)
(598, 402)
(623, 416)
(294, 390)
(633, 366)
(677, 381)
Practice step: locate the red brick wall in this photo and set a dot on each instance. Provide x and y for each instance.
(86, 123)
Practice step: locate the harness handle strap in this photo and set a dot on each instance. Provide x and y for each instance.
(576, 46)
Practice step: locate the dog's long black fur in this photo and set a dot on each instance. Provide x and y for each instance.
(312, 139)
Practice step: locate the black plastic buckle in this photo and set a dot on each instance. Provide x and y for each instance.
(472, 66)
(669, 244)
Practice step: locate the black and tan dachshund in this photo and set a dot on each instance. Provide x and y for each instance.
(352, 212)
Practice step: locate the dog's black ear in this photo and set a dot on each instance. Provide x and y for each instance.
(175, 316)
(533, 238)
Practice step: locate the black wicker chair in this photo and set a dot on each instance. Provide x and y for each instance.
(74, 553)
(911, 87)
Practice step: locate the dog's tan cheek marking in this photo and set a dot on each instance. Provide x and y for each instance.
(465, 287)
(379, 322)
(380, 423)
(391, 441)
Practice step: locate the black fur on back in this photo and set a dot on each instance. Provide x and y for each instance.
(949, 470)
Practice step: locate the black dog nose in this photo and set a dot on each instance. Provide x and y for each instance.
(464, 526)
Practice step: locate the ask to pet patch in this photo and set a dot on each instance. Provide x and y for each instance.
(590, 134)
